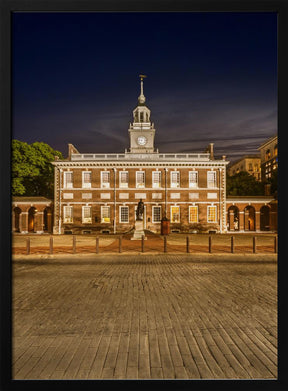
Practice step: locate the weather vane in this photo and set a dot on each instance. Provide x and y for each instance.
(142, 77)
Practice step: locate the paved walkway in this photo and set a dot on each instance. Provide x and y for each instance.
(142, 317)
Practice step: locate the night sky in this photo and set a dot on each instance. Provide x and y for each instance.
(211, 77)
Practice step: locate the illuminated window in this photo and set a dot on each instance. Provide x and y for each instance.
(268, 154)
(156, 214)
(105, 179)
(123, 178)
(105, 214)
(212, 214)
(175, 214)
(193, 214)
(86, 179)
(276, 150)
(124, 214)
(68, 214)
(211, 179)
(68, 179)
(140, 179)
(250, 167)
(156, 179)
(86, 214)
(175, 179)
(193, 179)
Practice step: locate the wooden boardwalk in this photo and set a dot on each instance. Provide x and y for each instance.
(144, 317)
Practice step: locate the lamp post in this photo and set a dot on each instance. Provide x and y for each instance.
(114, 220)
(60, 185)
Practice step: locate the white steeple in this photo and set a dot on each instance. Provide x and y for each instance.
(142, 130)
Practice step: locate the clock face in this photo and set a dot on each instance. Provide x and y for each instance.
(142, 140)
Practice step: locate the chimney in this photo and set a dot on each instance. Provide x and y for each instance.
(267, 189)
(211, 151)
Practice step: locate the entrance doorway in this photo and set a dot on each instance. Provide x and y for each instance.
(31, 219)
(144, 215)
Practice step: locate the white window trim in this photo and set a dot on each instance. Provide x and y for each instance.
(120, 215)
(153, 207)
(208, 207)
(197, 209)
(65, 184)
(193, 185)
(140, 186)
(174, 184)
(175, 206)
(86, 220)
(67, 220)
(214, 185)
(156, 185)
(105, 222)
(123, 185)
(88, 184)
(105, 185)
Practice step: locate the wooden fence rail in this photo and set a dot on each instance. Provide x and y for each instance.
(187, 245)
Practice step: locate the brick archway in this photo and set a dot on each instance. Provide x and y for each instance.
(265, 218)
(249, 218)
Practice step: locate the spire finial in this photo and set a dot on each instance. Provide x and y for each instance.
(142, 98)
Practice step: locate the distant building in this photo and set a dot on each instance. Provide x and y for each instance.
(248, 163)
(269, 157)
(96, 192)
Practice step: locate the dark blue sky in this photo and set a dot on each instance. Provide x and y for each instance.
(212, 77)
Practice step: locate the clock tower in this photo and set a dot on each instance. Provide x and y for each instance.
(142, 130)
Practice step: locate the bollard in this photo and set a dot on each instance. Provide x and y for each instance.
(27, 246)
(210, 244)
(275, 244)
(165, 244)
(254, 245)
(97, 244)
(232, 244)
(74, 244)
(51, 245)
(120, 244)
(187, 244)
(142, 244)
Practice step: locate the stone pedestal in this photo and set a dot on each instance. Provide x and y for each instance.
(139, 230)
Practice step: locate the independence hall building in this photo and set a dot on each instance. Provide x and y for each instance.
(99, 193)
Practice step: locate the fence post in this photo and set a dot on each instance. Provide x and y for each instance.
(120, 244)
(232, 244)
(210, 244)
(142, 244)
(51, 245)
(97, 244)
(187, 244)
(28, 246)
(275, 244)
(254, 244)
(74, 244)
(165, 244)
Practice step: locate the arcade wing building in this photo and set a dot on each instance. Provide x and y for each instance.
(97, 192)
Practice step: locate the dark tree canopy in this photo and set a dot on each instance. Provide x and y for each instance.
(243, 184)
(32, 171)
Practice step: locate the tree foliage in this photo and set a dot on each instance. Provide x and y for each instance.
(32, 171)
(243, 184)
